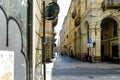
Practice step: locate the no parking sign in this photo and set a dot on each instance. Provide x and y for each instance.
(89, 41)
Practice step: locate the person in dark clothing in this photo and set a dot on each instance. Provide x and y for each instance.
(71, 53)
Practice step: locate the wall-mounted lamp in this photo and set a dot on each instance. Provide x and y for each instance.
(94, 44)
(92, 15)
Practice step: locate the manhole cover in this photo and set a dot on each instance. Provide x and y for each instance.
(91, 76)
(77, 67)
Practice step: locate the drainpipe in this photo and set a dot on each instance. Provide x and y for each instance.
(29, 40)
(43, 43)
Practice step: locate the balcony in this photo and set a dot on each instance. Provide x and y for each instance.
(110, 4)
(77, 21)
(74, 13)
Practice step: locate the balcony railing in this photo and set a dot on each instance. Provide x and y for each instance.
(74, 13)
(110, 4)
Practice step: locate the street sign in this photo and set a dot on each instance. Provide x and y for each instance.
(51, 11)
(89, 41)
(89, 45)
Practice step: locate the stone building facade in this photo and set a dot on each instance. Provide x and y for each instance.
(37, 33)
(95, 20)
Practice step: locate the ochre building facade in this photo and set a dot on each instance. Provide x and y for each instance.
(92, 30)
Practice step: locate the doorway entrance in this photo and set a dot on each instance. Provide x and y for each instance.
(109, 40)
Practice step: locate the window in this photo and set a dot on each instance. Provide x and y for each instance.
(78, 2)
(85, 4)
(110, 2)
(88, 31)
(115, 29)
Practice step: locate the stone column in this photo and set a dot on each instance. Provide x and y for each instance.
(83, 47)
(97, 53)
(95, 35)
(79, 46)
(119, 44)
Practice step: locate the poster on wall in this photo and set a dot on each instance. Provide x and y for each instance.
(6, 65)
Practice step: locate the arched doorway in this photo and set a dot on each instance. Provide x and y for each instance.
(109, 40)
(75, 44)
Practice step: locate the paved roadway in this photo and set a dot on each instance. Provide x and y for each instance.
(65, 68)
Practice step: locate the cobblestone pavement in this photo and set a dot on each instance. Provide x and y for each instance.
(65, 68)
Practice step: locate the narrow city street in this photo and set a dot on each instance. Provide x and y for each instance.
(65, 68)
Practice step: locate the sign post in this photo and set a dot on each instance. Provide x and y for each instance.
(49, 12)
(89, 45)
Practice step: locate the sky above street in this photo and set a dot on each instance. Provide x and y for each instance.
(64, 6)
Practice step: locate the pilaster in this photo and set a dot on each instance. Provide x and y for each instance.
(95, 35)
(84, 43)
(119, 42)
(83, 47)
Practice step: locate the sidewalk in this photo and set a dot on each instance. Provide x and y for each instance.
(65, 68)
(49, 67)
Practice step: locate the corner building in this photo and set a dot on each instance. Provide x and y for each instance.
(98, 20)
(50, 35)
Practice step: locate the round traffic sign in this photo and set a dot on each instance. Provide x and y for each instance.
(51, 11)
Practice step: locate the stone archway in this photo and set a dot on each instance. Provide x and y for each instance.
(75, 44)
(109, 40)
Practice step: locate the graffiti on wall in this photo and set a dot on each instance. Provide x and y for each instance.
(11, 40)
